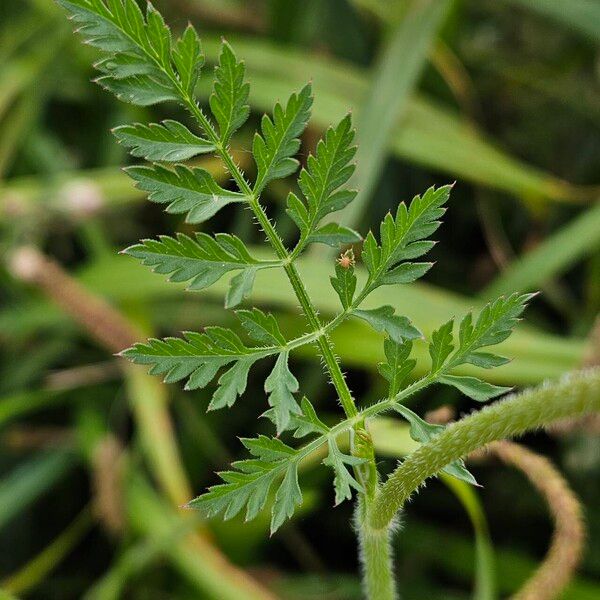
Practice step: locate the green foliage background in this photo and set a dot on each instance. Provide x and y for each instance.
(501, 96)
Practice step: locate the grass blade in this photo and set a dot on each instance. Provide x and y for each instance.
(553, 256)
(580, 15)
(30, 480)
(392, 83)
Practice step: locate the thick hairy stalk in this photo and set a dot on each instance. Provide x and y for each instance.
(375, 557)
(575, 395)
(565, 551)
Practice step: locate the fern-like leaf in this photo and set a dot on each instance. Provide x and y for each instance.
(343, 481)
(228, 101)
(191, 191)
(383, 319)
(139, 67)
(198, 357)
(203, 260)
(281, 385)
(327, 170)
(168, 141)
(274, 149)
(403, 237)
(249, 485)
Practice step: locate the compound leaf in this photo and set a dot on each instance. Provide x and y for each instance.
(273, 150)
(307, 422)
(398, 366)
(249, 485)
(202, 260)
(261, 327)
(402, 238)
(344, 283)
(229, 100)
(198, 357)
(383, 319)
(191, 191)
(343, 481)
(326, 171)
(473, 387)
(139, 65)
(494, 324)
(281, 385)
(168, 141)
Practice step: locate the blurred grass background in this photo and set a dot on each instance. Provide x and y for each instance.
(500, 95)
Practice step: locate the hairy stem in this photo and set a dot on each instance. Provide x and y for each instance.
(375, 557)
(308, 308)
(575, 395)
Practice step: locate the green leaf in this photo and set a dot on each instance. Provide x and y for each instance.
(334, 235)
(440, 346)
(486, 360)
(473, 387)
(198, 357)
(493, 325)
(344, 283)
(402, 238)
(383, 319)
(100, 28)
(262, 328)
(188, 58)
(142, 90)
(398, 366)
(422, 431)
(203, 259)
(288, 496)
(281, 386)
(307, 422)
(228, 101)
(406, 273)
(273, 150)
(231, 385)
(249, 485)
(327, 170)
(240, 287)
(343, 480)
(191, 191)
(168, 141)
(138, 68)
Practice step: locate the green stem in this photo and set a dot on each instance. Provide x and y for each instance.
(375, 557)
(575, 395)
(361, 443)
(308, 308)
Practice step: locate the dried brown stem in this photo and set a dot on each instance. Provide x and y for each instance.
(113, 331)
(98, 318)
(565, 551)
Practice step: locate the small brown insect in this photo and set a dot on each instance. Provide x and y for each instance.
(346, 259)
